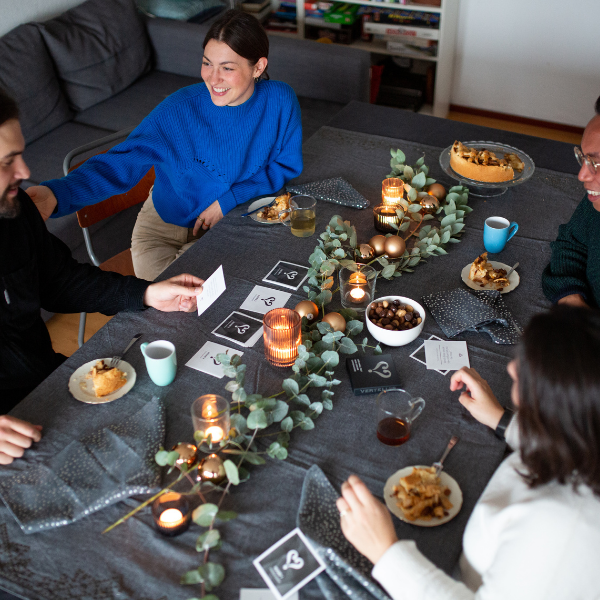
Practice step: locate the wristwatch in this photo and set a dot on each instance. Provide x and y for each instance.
(500, 430)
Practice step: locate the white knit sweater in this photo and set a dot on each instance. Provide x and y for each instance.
(519, 544)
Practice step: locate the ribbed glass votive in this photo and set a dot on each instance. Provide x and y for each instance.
(282, 336)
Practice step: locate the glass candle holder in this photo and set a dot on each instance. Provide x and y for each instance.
(357, 286)
(282, 336)
(384, 216)
(392, 189)
(210, 415)
(171, 514)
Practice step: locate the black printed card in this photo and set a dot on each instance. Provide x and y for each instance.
(371, 374)
(289, 564)
(287, 275)
(240, 328)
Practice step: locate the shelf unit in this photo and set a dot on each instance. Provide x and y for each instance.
(445, 53)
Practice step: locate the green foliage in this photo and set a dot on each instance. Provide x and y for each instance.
(204, 514)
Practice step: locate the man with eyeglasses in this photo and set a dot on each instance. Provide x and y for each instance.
(573, 275)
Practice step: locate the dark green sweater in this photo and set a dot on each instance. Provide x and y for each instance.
(575, 263)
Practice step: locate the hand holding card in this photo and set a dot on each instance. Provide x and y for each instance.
(212, 288)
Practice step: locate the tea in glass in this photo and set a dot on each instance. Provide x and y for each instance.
(302, 216)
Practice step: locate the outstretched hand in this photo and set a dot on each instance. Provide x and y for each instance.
(15, 437)
(175, 294)
(44, 200)
(366, 522)
(478, 397)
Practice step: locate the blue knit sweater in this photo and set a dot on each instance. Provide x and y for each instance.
(200, 153)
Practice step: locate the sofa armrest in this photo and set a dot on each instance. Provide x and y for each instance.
(321, 71)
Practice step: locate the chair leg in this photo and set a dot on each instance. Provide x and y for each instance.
(81, 335)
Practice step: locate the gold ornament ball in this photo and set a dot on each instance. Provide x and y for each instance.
(307, 309)
(187, 454)
(211, 469)
(366, 252)
(394, 246)
(430, 204)
(437, 190)
(337, 322)
(377, 242)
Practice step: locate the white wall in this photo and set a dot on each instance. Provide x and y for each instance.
(533, 58)
(15, 12)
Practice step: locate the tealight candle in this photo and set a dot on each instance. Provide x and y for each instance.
(357, 294)
(282, 336)
(357, 286)
(210, 416)
(171, 513)
(392, 190)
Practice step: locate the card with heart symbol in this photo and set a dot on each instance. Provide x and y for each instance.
(263, 299)
(205, 359)
(289, 564)
(240, 328)
(287, 275)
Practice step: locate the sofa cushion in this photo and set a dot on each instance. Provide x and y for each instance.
(45, 156)
(27, 74)
(129, 107)
(182, 10)
(99, 48)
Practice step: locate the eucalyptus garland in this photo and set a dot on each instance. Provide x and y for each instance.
(309, 390)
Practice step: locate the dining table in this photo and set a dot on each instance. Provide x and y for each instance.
(134, 561)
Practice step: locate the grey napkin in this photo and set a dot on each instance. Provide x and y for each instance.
(102, 468)
(336, 190)
(347, 573)
(457, 311)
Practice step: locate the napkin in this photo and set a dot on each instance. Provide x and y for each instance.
(91, 473)
(336, 190)
(347, 571)
(457, 311)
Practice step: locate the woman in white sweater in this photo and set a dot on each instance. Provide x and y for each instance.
(535, 532)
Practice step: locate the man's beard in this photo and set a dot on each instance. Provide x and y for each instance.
(10, 207)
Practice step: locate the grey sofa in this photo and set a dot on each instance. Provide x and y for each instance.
(101, 67)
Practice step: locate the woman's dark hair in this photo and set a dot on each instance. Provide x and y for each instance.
(243, 34)
(8, 108)
(559, 398)
(598, 106)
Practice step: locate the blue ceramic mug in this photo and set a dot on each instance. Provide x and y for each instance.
(161, 361)
(496, 232)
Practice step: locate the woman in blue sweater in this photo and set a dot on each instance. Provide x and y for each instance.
(213, 145)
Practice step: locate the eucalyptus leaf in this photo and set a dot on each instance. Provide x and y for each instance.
(290, 386)
(213, 575)
(418, 181)
(316, 407)
(287, 424)
(209, 539)
(231, 386)
(319, 380)
(354, 327)
(347, 346)
(331, 357)
(324, 327)
(404, 226)
(204, 514)
(257, 419)
(227, 515)
(223, 358)
(254, 459)
(448, 220)
(238, 422)
(412, 195)
(414, 208)
(302, 400)
(280, 411)
(307, 424)
(408, 172)
(388, 271)
(161, 458)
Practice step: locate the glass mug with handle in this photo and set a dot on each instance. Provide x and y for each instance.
(396, 411)
(302, 215)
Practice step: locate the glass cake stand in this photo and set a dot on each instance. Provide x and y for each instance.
(483, 188)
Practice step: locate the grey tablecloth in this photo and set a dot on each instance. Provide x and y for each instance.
(133, 561)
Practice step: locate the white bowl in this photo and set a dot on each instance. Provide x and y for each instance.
(396, 338)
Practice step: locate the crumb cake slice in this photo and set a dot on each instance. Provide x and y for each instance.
(484, 165)
(483, 273)
(106, 380)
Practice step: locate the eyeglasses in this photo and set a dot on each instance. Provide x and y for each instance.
(584, 159)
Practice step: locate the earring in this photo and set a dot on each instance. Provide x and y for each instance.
(256, 79)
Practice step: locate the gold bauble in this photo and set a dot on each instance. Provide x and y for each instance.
(187, 454)
(430, 204)
(307, 309)
(366, 252)
(394, 246)
(337, 322)
(377, 243)
(211, 469)
(437, 190)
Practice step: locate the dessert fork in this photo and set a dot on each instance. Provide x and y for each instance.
(115, 361)
(260, 208)
(439, 464)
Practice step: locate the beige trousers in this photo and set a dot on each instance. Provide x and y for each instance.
(156, 244)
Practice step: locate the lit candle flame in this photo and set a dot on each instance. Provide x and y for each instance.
(357, 294)
(171, 517)
(216, 433)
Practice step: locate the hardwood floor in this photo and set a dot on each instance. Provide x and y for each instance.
(63, 328)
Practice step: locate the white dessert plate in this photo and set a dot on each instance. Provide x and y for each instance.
(82, 388)
(513, 280)
(455, 497)
(259, 204)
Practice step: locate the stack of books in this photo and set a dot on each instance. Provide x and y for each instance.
(283, 19)
(259, 9)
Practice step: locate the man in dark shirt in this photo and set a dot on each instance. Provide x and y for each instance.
(38, 271)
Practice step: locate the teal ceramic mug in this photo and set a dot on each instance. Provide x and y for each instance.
(161, 361)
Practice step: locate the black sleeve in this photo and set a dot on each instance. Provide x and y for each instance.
(67, 286)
